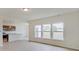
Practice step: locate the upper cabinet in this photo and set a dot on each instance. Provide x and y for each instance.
(9, 28)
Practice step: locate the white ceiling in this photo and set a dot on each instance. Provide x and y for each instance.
(17, 14)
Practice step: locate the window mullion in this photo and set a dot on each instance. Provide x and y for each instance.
(41, 31)
(51, 32)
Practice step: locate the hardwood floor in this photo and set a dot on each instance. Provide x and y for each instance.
(24, 45)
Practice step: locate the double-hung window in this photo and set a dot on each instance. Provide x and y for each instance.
(57, 31)
(46, 31)
(38, 31)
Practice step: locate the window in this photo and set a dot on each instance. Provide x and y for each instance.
(57, 31)
(46, 30)
(50, 31)
(38, 31)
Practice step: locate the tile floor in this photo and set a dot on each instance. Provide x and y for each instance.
(29, 46)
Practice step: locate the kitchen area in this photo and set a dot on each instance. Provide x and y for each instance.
(13, 32)
(6, 29)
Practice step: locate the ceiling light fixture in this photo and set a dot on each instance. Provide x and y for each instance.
(25, 9)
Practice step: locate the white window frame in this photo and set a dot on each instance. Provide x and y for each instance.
(57, 31)
(37, 31)
(51, 31)
(46, 31)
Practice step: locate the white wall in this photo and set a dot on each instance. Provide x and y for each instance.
(22, 28)
(71, 30)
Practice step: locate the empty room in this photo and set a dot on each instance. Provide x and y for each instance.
(39, 29)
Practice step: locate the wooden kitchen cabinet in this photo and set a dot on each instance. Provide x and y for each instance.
(9, 28)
